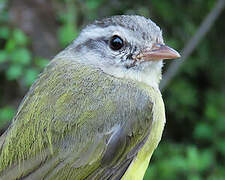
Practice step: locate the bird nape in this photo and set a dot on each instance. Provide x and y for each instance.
(96, 111)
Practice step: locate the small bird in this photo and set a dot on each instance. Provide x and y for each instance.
(96, 111)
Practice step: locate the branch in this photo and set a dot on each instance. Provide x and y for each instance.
(191, 45)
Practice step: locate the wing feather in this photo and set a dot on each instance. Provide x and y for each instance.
(76, 123)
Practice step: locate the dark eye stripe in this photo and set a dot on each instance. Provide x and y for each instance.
(90, 43)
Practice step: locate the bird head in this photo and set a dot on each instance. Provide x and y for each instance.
(126, 46)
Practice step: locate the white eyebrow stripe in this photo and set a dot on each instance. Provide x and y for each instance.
(96, 32)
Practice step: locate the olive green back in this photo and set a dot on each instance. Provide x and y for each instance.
(76, 122)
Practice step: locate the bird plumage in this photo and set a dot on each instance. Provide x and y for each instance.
(58, 123)
(95, 112)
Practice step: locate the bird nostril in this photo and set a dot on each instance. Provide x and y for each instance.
(156, 46)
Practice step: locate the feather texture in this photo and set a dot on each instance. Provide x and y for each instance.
(76, 122)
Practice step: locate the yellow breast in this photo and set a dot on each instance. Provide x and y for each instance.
(137, 168)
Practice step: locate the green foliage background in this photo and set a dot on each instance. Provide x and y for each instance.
(193, 144)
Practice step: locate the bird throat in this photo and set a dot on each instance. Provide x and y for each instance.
(146, 72)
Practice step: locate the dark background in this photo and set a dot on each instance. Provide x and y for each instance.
(193, 144)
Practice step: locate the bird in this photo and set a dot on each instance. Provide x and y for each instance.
(96, 110)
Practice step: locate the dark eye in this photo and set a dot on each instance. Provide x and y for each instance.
(116, 43)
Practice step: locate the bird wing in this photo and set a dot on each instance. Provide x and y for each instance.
(76, 122)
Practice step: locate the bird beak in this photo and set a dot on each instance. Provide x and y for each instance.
(158, 52)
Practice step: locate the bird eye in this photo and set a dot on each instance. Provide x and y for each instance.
(116, 43)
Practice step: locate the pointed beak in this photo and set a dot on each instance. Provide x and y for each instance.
(158, 52)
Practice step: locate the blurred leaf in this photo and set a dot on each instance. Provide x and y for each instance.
(4, 15)
(93, 4)
(207, 159)
(150, 173)
(20, 37)
(184, 93)
(143, 11)
(219, 124)
(4, 32)
(182, 100)
(190, 27)
(211, 111)
(14, 72)
(66, 34)
(194, 177)
(30, 76)
(193, 159)
(3, 56)
(172, 43)
(203, 131)
(164, 9)
(6, 114)
(179, 163)
(199, 161)
(220, 144)
(210, 4)
(67, 18)
(41, 62)
(10, 45)
(21, 56)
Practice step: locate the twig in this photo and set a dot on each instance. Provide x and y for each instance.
(191, 45)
